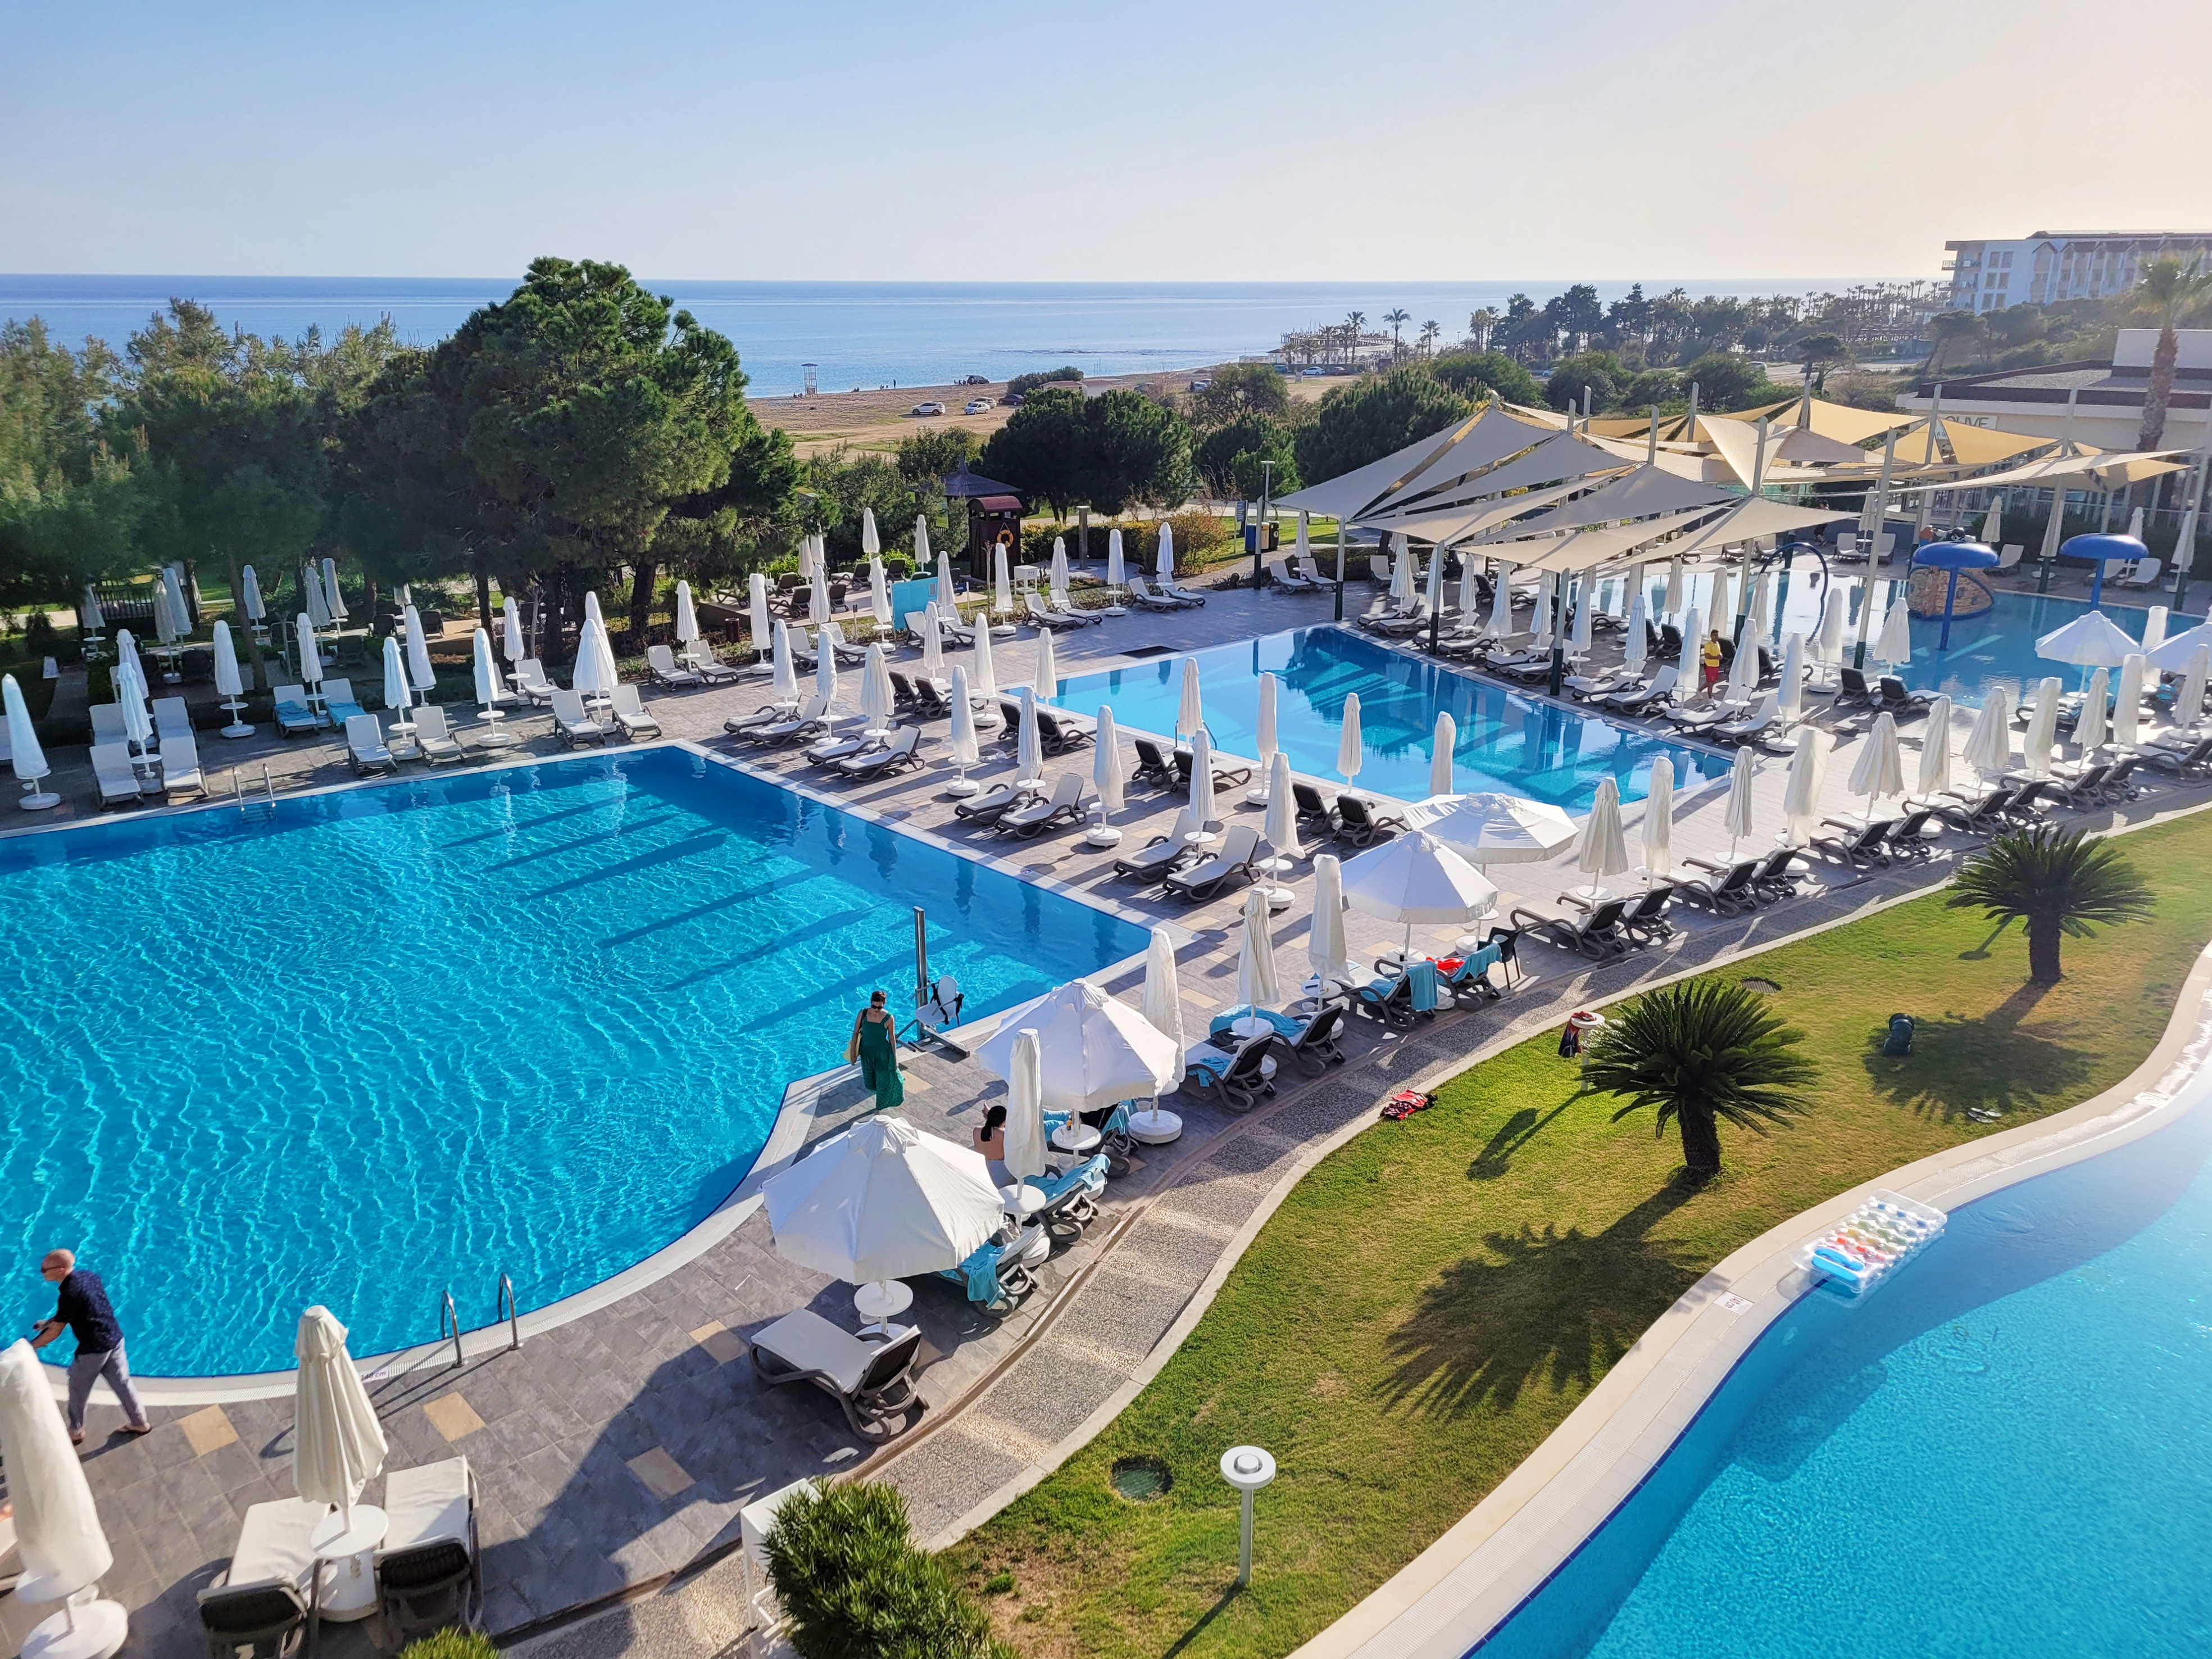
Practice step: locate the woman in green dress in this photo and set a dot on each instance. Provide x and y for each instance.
(875, 1045)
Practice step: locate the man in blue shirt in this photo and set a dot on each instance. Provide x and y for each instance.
(81, 1309)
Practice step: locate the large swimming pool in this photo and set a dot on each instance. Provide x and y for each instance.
(405, 1038)
(1518, 745)
(2006, 1451)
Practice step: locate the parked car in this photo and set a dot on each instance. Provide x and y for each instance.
(976, 380)
(1013, 400)
(1311, 374)
(977, 406)
(1203, 383)
(930, 408)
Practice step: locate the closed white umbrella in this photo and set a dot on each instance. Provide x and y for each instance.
(1935, 778)
(1056, 580)
(312, 596)
(1494, 828)
(1578, 642)
(1414, 879)
(1989, 745)
(1690, 671)
(965, 752)
(1470, 597)
(488, 690)
(338, 1444)
(418, 652)
(1894, 647)
(1436, 588)
(1659, 822)
(256, 609)
(126, 651)
(1282, 828)
(57, 1532)
(1106, 766)
(1792, 704)
(130, 695)
(514, 644)
(921, 543)
(687, 615)
(310, 655)
(1441, 741)
(784, 685)
(2042, 730)
(1401, 573)
(2189, 703)
(1046, 679)
(1029, 762)
(593, 674)
(807, 558)
(1265, 734)
(1325, 945)
(2173, 656)
(879, 593)
(872, 543)
(2154, 634)
(763, 630)
(1743, 671)
(1539, 624)
(946, 598)
(1721, 608)
(1737, 818)
(1801, 796)
(229, 682)
(166, 627)
(1993, 527)
(876, 690)
(1501, 602)
(1203, 809)
(1832, 625)
(1879, 769)
(980, 665)
(2093, 731)
(883, 1200)
(1257, 986)
(1162, 1002)
(1002, 582)
(1635, 649)
(825, 677)
(1164, 564)
(1190, 713)
(2090, 641)
(26, 757)
(1604, 849)
(2127, 706)
(1117, 574)
(1762, 608)
(1670, 604)
(1023, 1068)
(818, 599)
(933, 650)
(1097, 1051)
(92, 620)
(331, 597)
(1349, 753)
(172, 578)
(396, 696)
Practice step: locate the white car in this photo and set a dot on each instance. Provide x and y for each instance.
(977, 406)
(931, 407)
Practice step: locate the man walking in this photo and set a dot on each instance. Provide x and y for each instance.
(82, 1309)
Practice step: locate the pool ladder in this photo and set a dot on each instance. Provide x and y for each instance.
(449, 1318)
(267, 797)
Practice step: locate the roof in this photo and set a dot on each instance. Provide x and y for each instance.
(965, 483)
(998, 503)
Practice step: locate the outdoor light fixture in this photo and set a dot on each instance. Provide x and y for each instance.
(1247, 1469)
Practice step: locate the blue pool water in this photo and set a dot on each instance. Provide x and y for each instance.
(2008, 1450)
(1520, 746)
(535, 1020)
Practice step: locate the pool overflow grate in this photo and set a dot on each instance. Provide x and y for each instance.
(1861, 1252)
(1151, 651)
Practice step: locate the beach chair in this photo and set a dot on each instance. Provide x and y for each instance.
(661, 667)
(1378, 568)
(1650, 696)
(2009, 555)
(434, 739)
(1415, 621)
(1978, 814)
(1058, 730)
(903, 750)
(1727, 890)
(903, 694)
(768, 714)
(1909, 839)
(999, 1273)
(293, 718)
(1709, 719)
(1752, 725)
(1470, 976)
(1280, 573)
(933, 699)
(1224, 777)
(1154, 763)
(1169, 586)
(1071, 792)
(709, 667)
(531, 684)
(430, 1572)
(1161, 856)
(1239, 847)
(1851, 687)
(1071, 1195)
(1237, 1081)
(983, 810)
(630, 718)
(1164, 599)
(1035, 607)
(1774, 880)
(845, 651)
(1892, 698)
(1861, 846)
(339, 704)
(365, 746)
(1361, 823)
(107, 722)
(802, 647)
(264, 1600)
(570, 722)
(1311, 571)
(171, 719)
(809, 721)
(118, 779)
(1313, 806)
(2143, 572)
(180, 766)
(1597, 933)
(830, 750)
(872, 1382)
(1395, 997)
(1318, 1043)
(1645, 922)
(2195, 762)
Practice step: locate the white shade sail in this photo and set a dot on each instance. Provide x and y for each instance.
(338, 1445)
(882, 1201)
(1097, 1050)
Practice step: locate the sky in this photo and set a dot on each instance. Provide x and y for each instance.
(1130, 141)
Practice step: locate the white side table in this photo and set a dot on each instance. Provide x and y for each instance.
(350, 1594)
(1022, 1201)
(882, 1300)
(1076, 1136)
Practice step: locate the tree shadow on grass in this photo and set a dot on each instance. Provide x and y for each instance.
(1496, 1159)
(1982, 1067)
(1548, 1306)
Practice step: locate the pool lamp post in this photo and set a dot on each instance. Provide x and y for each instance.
(1247, 1469)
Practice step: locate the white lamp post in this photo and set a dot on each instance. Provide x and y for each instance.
(1247, 1469)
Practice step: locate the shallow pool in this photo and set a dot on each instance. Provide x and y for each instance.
(2008, 1450)
(401, 1039)
(1518, 745)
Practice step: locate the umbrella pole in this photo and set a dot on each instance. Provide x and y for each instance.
(1950, 597)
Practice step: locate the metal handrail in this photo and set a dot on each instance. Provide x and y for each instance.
(505, 1297)
(450, 1318)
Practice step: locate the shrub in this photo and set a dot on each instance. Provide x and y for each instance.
(848, 1573)
(1372, 417)
(1472, 374)
(450, 1644)
(1022, 384)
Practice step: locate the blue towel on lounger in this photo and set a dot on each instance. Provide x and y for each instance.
(1284, 1024)
(1422, 980)
(1090, 1173)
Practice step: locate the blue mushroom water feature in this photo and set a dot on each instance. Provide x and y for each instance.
(2103, 550)
(1953, 556)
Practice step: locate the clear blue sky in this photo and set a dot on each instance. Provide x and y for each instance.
(1136, 139)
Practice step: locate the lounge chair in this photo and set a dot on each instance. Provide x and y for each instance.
(339, 703)
(1280, 574)
(1727, 890)
(1645, 921)
(1071, 1195)
(1415, 621)
(1978, 813)
(1224, 777)
(1378, 568)
(1650, 695)
(844, 650)
(1168, 586)
(1161, 601)
(180, 766)
(1709, 719)
(1154, 763)
(365, 746)
(661, 666)
(429, 1570)
(802, 647)
(1751, 726)
(1311, 571)
(808, 721)
(999, 1273)
(1313, 806)
(1596, 934)
(293, 718)
(709, 667)
(631, 717)
(1319, 1043)
(983, 810)
(2194, 762)
(1044, 617)
(933, 699)
(171, 719)
(1059, 732)
(1395, 997)
(1861, 846)
(1471, 976)
(434, 739)
(118, 779)
(873, 1381)
(1773, 879)
(1909, 839)
(2024, 809)
(901, 752)
(2143, 572)
(768, 714)
(1892, 697)
(1071, 792)
(2116, 786)
(1361, 823)
(1239, 847)
(107, 721)
(1162, 855)
(571, 724)
(903, 694)
(830, 750)
(1238, 1081)
(530, 682)
(1851, 687)
(269, 1592)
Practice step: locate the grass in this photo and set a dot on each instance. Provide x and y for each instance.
(1437, 1296)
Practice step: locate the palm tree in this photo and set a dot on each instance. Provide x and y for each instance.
(1353, 322)
(1397, 319)
(1480, 324)
(1429, 332)
(1699, 1050)
(2167, 290)
(2059, 882)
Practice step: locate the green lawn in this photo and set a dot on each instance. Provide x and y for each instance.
(1435, 1296)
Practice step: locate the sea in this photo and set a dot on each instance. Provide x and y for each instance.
(859, 334)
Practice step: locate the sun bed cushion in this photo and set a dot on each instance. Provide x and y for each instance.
(806, 1341)
(427, 1505)
(272, 1547)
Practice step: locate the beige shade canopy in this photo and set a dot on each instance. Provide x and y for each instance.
(1351, 494)
(2106, 470)
(1636, 495)
(1494, 436)
(1446, 524)
(1586, 550)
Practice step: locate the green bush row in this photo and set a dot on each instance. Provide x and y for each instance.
(845, 1567)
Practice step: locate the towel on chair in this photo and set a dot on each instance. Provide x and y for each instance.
(1421, 981)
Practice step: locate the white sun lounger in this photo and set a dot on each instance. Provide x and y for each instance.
(365, 746)
(572, 723)
(873, 1381)
(660, 663)
(180, 765)
(111, 766)
(270, 1588)
(429, 1567)
(709, 667)
(434, 738)
(630, 713)
(530, 680)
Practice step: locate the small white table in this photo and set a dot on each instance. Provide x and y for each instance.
(350, 1592)
(1022, 1201)
(1076, 1136)
(880, 1301)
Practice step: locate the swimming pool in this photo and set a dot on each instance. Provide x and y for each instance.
(1517, 745)
(535, 1020)
(2008, 1450)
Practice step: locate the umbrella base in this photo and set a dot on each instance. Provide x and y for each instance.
(1102, 836)
(92, 1630)
(961, 789)
(1120, 611)
(40, 801)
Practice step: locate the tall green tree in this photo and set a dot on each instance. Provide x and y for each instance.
(69, 500)
(1478, 375)
(1727, 381)
(1699, 1053)
(1043, 448)
(1378, 413)
(1114, 451)
(2168, 291)
(2060, 883)
(1230, 458)
(1237, 389)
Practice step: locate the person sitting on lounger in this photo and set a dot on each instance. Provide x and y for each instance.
(991, 1141)
(875, 1044)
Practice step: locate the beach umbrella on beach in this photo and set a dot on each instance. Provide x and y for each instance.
(331, 597)
(1349, 753)
(1441, 741)
(1832, 625)
(1203, 809)
(1106, 764)
(1266, 735)
(763, 630)
(1604, 848)
(310, 655)
(1189, 715)
(1117, 575)
(2093, 731)
(397, 696)
(1414, 879)
(2042, 730)
(1029, 751)
(981, 669)
(933, 654)
(338, 1443)
(1489, 827)
(882, 1201)
(879, 593)
(2090, 641)
(1163, 1003)
(1989, 745)
(2189, 702)
(1093, 1050)
(825, 676)
(418, 649)
(592, 674)
(818, 599)
(230, 682)
(26, 757)
(1792, 704)
(1879, 769)
(256, 609)
(1636, 648)
(1325, 943)
(1894, 647)
(2127, 705)
(687, 615)
(1800, 795)
(1257, 984)
(64, 1551)
(1163, 567)
(1501, 601)
(1659, 822)
(1737, 818)
(1002, 582)
(1934, 777)
(310, 596)
(1046, 678)
(876, 690)
(1057, 580)
(965, 752)
(1670, 604)
(1539, 624)
(784, 685)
